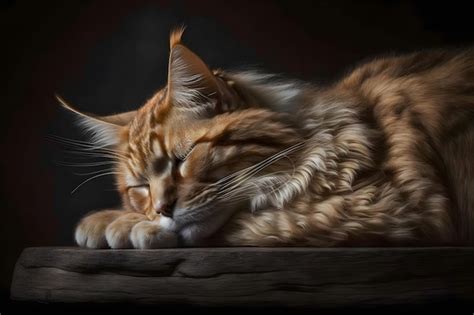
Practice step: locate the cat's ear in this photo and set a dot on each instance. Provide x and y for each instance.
(105, 130)
(190, 81)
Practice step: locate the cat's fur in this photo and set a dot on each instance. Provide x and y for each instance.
(383, 157)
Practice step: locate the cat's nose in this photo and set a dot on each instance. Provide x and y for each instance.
(165, 208)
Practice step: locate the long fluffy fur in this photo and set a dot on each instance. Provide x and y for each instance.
(382, 157)
(390, 119)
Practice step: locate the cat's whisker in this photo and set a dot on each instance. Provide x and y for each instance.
(59, 138)
(95, 155)
(238, 190)
(74, 142)
(253, 169)
(94, 172)
(233, 201)
(236, 194)
(94, 150)
(252, 186)
(292, 164)
(92, 178)
(275, 186)
(86, 164)
(240, 178)
(250, 168)
(111, 153)
(82, 145)
(239, 183)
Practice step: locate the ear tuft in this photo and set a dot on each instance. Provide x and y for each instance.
(175, 37)
(104, 130)
(190, 82)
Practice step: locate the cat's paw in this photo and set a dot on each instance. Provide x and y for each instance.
(90, 232)
(148, 234)
(118, 232)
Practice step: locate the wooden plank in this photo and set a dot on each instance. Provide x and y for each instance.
(303, 277)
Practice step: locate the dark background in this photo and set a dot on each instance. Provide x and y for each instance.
(110, 56)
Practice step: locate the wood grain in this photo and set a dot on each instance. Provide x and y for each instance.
(305, 277)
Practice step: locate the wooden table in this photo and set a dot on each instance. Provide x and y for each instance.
(290, 277)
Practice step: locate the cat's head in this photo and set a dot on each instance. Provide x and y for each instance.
(199, 149)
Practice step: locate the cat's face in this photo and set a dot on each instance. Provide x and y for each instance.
(178, 167)
(196, 152)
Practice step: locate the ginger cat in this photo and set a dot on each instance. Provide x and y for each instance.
(383, 157)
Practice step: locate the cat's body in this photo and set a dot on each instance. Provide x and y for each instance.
(383, 157)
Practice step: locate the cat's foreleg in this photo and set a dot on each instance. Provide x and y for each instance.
(118, 231)
(90, 232)
(107, 228)
(149, 234)
(122, 229)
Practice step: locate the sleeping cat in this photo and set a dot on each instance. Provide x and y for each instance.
(382, 157)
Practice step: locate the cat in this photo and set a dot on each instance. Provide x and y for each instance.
(383, 157)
